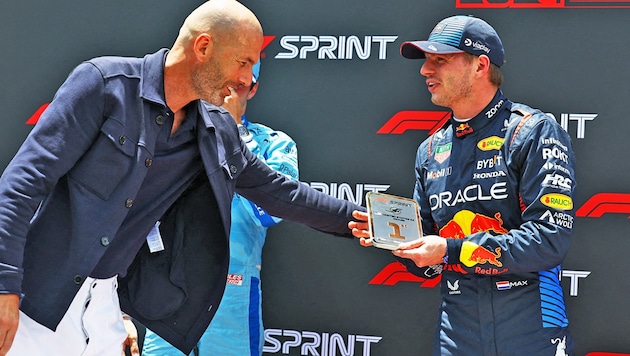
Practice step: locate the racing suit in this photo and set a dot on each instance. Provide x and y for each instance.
(237, 327)
(499, 187)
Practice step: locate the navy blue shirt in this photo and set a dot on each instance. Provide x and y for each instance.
(176, 163)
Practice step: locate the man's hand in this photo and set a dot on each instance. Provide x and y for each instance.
(426, 251)
(360, 227)
(9, 317)
(132, 337)
(233, 105)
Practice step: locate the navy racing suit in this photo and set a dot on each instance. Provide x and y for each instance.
(499, 187)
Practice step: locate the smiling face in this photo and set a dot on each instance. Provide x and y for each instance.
(229, 66)
(450, 78)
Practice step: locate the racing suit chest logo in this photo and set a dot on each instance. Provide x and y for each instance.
(471, 193)
(490, 143)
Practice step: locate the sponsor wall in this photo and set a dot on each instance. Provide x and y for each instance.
(333, 79)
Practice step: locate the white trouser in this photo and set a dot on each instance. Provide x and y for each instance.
(92, 326)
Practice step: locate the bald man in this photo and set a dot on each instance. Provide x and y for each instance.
(124, 143)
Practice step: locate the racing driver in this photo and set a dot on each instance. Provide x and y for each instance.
(495, 188)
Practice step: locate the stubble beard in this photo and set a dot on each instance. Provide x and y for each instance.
(209, 83)
(456, 90)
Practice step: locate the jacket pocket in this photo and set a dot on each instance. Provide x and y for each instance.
(107, 162)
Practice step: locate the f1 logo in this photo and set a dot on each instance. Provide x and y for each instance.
(266, 41)
(602, 203)
(396, 272)
(414, 120)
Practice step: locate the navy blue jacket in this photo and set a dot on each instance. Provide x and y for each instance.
(67, 191)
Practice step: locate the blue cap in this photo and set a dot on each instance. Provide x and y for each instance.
(255, 72)
(458, 34)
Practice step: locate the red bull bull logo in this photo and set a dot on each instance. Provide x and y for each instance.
(463, 129)
(465, 223)
(473, 254)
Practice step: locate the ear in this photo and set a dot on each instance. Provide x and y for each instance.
(483, 65)
(203, 46)
(252, 91)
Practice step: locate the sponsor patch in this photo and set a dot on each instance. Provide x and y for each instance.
(235, 279)
(443, 152)
(490, 143)
(557, 201)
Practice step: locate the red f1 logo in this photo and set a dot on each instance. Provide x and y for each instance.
(602, 203)
(266, 41)
(414, 120)
(396, 272)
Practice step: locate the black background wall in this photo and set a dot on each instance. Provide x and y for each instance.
(329, 296)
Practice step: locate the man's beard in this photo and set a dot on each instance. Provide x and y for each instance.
(208, 82)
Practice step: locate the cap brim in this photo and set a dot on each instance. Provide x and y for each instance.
(417, 49)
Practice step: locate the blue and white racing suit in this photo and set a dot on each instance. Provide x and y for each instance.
(237, 327)
(500, 188)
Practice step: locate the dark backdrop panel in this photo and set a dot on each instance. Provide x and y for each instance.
(567, 61)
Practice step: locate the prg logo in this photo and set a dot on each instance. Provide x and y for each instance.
(540, 4)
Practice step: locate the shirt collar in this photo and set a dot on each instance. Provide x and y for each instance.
(496, 106)
(152, 79)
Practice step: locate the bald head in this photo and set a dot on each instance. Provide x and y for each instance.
(222, 18)
(216, 48)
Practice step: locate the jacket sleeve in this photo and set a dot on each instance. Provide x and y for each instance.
(541, 162)
(64, 131)
(293, 200)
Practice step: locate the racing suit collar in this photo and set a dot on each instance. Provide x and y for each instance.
(492, 110)
(244, 120)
